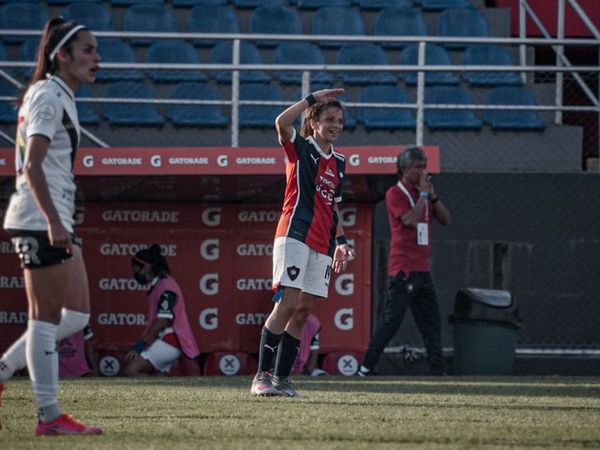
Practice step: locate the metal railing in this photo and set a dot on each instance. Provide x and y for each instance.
(421, 69)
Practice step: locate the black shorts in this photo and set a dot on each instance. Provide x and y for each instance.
(34, 249)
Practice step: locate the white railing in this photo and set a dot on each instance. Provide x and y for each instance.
(419, 105)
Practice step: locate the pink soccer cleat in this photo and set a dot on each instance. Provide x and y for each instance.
(65, 425)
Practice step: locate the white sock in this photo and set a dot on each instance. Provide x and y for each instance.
(14, 358)
(42, 360)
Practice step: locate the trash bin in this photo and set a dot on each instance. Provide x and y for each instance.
(485, 329)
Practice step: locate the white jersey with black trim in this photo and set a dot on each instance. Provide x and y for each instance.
(49, 110)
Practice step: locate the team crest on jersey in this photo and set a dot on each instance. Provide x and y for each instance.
(165, 304)
(293, 272)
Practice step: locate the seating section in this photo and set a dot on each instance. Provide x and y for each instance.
(257, 115)
(440, 119)
(401, 21)
(337, 20)
(192, 115)
(174, 52)
(92, 15)
(86, 111)
(462, 22)
(376, 18)
(148, 18)
(489, 55)
(435, 55)
(274, 20)
(22, 16)
(117, 51)
(303, 53)
(222, 53)
(131, 113)
(382, 117)
(364, 55)
(211, 19)
(512, 119)
(8, 114)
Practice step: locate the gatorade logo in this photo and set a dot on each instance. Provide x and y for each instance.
(344, 284)
(222, 161)
(229, 365)
(348, 217)
(347, 365)
(88, 161)
(209, 319)
(211, 217)
(344, 319)
(354, 160)
(155, 161)
(209, 249)
(209, 284)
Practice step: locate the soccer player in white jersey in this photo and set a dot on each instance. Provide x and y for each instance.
(39, 217)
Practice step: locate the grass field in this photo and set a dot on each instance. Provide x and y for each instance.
(334, 413)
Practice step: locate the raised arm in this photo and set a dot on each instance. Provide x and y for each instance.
(284, 121)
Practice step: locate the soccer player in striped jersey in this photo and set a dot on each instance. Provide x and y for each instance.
(309, 241)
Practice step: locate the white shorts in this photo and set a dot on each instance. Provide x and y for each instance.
(161, 355)
(297, 265)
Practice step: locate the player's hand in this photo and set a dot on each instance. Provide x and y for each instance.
(343, 254)
(327, 95)
(131, 356)
(59, 236)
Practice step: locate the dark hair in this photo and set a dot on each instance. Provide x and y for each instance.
(153, 256)
(314, 112)
(408, 156)
(54, 31)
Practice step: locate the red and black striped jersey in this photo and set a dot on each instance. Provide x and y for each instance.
(313, 184)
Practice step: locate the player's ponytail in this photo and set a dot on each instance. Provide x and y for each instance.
(51, 41)
(313, 113)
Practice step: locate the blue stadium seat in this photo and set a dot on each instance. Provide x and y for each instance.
(249, 54)
(387, 118)
(92, 15)
(512, 119)
(380, 4)
(114, 50)
(400, 22)
(436, 5)
(300, 53)
(131, 113)
(258, 3)
(22, 16)
(174, 51)
(148, 18)
(188, 115)
(28, 52)
(450, 119)
(136, 2)
(434, 56)
(212, 19)
(334, 20)
(367, 55)
(316, 4)
(211, 3)
(489, 55)
(67, 2)
(8, 113)
(274, 20)
(86, 111)
(462, 22)
(259, 116)
(4, 57)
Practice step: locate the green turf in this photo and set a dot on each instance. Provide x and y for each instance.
(335, 413)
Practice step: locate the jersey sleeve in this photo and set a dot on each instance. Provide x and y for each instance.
(166, 305)
(44, 115)
(315, 342)
(397, 203)
(290, 148)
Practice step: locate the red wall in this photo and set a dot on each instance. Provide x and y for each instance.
(547, 11)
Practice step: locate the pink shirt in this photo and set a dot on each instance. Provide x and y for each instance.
(308, 342)
(71, 350)
(165, 300)
(405, 254)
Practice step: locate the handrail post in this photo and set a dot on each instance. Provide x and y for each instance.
(235, 97)
(560, 50)
(522, 35)
(420, 93)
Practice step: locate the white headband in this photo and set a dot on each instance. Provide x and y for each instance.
(64, 40)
